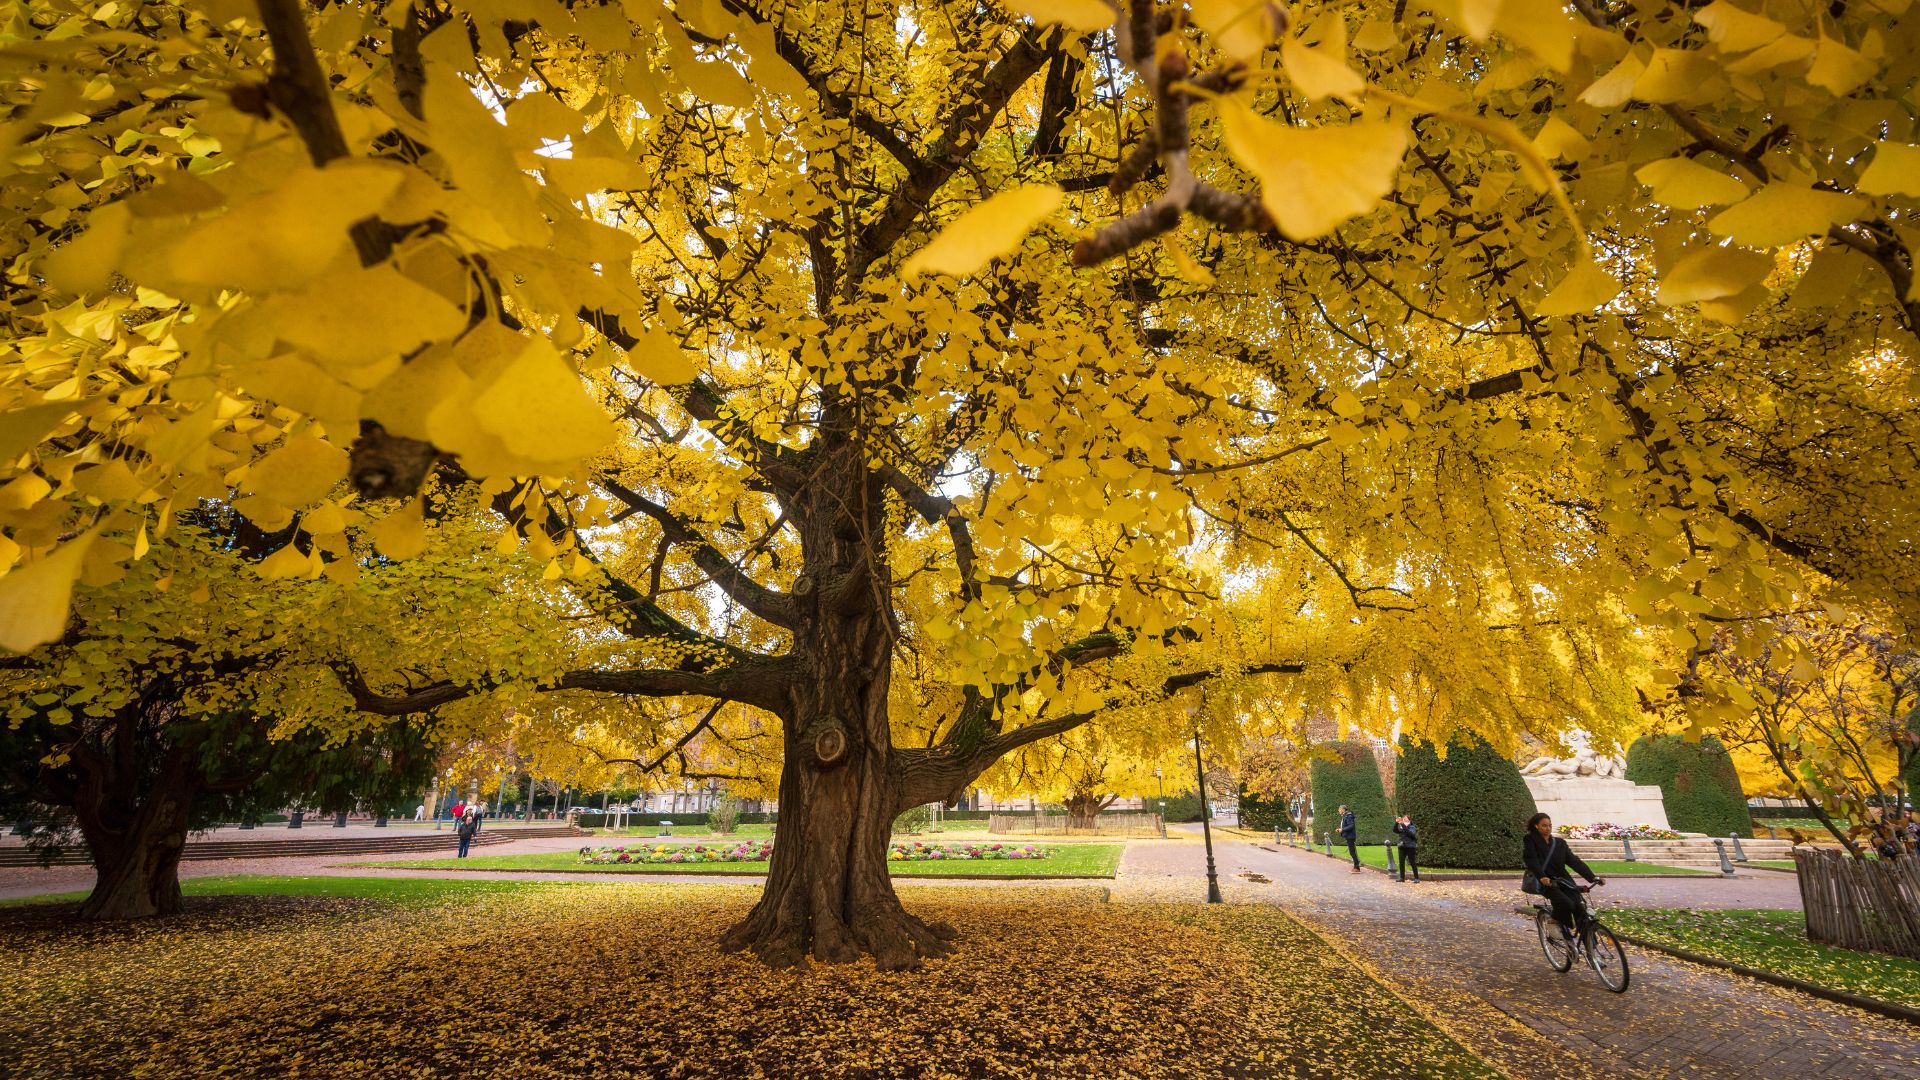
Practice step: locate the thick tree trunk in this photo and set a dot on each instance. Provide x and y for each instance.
(136, 848)
(828, 894)
(1083, 811)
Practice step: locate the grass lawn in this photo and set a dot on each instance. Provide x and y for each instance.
(1067, 860)
(1774, 941)
(1376, 856)
(1777, 864)
(624, 979)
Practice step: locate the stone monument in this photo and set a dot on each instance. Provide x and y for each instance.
(1590, 787)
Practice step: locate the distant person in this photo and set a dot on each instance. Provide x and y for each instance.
(469, 825)
(1409, 848)
(420, 812)
(459, 810)
(1549, 857)
(1350, 832)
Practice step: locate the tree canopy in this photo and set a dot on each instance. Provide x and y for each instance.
(891, 388)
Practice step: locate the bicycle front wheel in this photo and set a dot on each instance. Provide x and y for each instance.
(1609, 960)
(1558, 950)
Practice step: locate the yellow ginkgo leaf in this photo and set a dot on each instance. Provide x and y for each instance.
(1616, 86)
(289, 235)
(324, 520)
(1558, 141)
(1184, 263)
(659, 357)
(267, 513)
(401, 534)
(83, 264)
(1585, 287)
(1313, 179)
(1321, 71)
(540, 410)
(1782, 213)
(986, 232)
(1542, 27)
(1894, 170)
(35, 598)
(1685, 183)
(361, 317)
(22, 428)
(302, 471)
(1838, 69)
(288, 562)
(1736, 30)
(1082, 15)
(1712, 273)
(1241, 29)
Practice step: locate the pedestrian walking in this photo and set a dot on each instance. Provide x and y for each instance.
(469, 824)
(1409, 837)
(420, 812)
(1350, 832)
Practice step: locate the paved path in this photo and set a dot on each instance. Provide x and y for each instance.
(1457, 951)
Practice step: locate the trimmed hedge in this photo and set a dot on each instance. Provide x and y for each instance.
(1471, 810)
(1352, 778)
(1698, 780)
(1263, 814)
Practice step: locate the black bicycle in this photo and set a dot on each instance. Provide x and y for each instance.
(1596, 943)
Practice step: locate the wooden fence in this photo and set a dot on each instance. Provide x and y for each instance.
(1121, 824)
(1860, 904)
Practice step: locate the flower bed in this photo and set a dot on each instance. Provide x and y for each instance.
(917, 851)
(1607, 830)
(762, 850)
(747, 851)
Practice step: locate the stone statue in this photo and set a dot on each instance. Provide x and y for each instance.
(1586, 761)
(1587, 787)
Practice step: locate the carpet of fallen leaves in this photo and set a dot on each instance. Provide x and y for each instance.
(624, 980)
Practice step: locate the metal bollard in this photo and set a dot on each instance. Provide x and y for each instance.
(1726, 867)
(1393, 861)
(1739, 853)
(1628, 845)
(1327, 840)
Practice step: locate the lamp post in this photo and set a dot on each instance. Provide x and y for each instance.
(1206, 829)
(1161, 783)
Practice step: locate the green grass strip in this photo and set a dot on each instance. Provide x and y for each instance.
(1776, 942)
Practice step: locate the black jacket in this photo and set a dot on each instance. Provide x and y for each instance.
(469, 825)
(1552, 858)
(1407, 833)
(1348, 830)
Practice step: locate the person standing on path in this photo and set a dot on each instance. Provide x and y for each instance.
(1350, 832)
(469, 824)
(1409, 847)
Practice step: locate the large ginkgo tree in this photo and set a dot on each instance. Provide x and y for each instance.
(916, 382)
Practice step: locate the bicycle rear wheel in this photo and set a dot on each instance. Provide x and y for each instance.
(1609, 960)
(1558, 950)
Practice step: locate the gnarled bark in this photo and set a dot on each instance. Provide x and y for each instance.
(135, 838)
(828, 894)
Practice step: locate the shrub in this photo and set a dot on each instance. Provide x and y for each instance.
(724, 818)
(1698, 780)
(1471, 809)
(913, 820)
(1263, 814)
(1184, 807)
(1351, 777)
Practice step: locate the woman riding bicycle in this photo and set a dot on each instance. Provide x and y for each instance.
(1549, 857)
